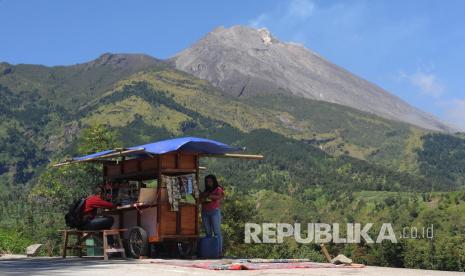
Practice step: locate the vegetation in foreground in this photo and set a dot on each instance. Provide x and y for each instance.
(275, 194)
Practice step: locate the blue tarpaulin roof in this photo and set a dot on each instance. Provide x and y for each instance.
(189, 144)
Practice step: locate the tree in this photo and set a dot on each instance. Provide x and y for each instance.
(97, 138)
(61, 185)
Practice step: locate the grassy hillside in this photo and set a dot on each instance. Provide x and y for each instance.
(337, 129)
(114, 90)
(341, 130)
(72, 86)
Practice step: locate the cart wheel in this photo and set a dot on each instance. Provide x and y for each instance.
(137, 242)
(187, 249)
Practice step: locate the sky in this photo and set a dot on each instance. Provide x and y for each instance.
(414, 49)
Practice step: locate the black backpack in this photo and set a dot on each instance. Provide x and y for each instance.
(75, 216)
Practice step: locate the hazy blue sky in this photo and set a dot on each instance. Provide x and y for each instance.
(414, 49)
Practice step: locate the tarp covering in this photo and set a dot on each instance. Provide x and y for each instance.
(188, 144)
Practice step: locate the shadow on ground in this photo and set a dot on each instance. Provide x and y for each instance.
(48, 266)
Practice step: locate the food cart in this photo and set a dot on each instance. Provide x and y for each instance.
(160, 180)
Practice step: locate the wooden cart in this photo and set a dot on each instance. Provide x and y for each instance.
(156, 223)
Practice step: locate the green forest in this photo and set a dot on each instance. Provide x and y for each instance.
(323, 164)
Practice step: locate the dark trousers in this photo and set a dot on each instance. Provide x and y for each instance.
(99, 223)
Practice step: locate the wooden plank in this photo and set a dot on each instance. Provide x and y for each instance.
(167, 220)
(178, 160)
(113, 170)
(236, 155)
(168, 161)
(188, 220)
(177, 171)
(115, 231)
(144, 175)
(131, 166)
(149, 164)
(119, 152)
(163, 195)
(114, 250)
(187, 161)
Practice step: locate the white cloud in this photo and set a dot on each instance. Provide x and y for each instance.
(428, 84)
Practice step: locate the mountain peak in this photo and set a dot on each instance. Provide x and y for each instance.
(240, 37)
(244, 62)
(122, 60)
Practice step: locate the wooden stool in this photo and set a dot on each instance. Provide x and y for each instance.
(107, 249)
(82, 235)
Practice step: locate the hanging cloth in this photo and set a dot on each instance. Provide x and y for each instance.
(173, 191)
(179, 187)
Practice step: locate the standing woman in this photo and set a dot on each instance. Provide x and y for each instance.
(211, 199)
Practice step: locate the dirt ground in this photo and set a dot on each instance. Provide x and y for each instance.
(20, 265)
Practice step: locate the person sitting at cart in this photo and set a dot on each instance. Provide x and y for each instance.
(211, 199)
(91, 205)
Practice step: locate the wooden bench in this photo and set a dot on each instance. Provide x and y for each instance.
(82, 235)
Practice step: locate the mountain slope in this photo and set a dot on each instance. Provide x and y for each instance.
(337, 129)
(244, 62)
(307, 164)
(71, 86)
(159, 102)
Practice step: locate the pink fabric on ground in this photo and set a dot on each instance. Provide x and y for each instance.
(244, 265)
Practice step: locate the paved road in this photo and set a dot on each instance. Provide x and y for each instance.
(96, 267)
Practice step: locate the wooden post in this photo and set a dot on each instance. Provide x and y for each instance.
(178, 220)
(120, 242)
(197, 200)
(325, 252)
(178, 213)
(159, 178)
(105, 246)
(79, 244)
(65, 243)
